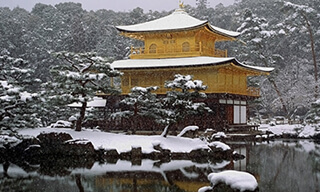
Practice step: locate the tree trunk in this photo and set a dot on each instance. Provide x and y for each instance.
(313, 55)
(165, 131)
(279, 95)
(79, 183)
(82, 114)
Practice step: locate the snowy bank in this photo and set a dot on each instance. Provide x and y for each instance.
(124, 143)
(296, 130)
(127, 146)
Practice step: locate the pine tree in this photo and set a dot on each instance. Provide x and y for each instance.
(259, 38)
(301, 16)
(141, 103)
(17, 106)
(182, 100)
(79, 77)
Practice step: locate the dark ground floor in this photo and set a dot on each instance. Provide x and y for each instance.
(229, 113)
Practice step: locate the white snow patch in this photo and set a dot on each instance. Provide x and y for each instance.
(204, 189)
(96, 102)
(61, 124)
(308, 131)
(186, 129)
(218, 144)
(235, 179)
(282, 32)
(219, 135)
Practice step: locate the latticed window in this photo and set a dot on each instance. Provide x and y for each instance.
(185, 47)
(153, 48)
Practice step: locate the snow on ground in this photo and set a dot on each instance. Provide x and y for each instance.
(303, 131)
(309, 130)
(124, 143)
(239, 180)
(279, 129)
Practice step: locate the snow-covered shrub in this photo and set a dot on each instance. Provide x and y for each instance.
(61, 124)
(313, 115)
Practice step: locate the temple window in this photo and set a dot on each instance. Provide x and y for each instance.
(153, 48)
(185, 47)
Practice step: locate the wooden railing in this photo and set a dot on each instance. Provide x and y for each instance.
(176, 51)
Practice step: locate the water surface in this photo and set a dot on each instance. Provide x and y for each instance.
(278, 166)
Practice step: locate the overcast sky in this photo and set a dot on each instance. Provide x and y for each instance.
(116, 5)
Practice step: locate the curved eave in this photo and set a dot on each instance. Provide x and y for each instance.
(179, 20)
(226, 33)
(256, 69)
(136, 64)
(223, 32)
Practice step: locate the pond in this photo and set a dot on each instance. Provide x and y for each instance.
(280, 165)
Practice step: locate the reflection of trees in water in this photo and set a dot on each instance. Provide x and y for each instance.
(284, 168)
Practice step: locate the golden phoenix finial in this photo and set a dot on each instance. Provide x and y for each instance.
(181, 4)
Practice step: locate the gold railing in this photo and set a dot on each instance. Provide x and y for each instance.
(175, 51)
(250, 91)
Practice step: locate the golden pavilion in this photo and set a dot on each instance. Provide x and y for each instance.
(181, 44)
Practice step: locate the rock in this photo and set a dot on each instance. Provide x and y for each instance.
(78, 147)
(316, 136)
(111, 156)
(53, 143)
(198, 154)
(164, 153)
(33, 151)
(112, 153)
(53, 138)
(136, 153)
(237, 156)
(20, 149)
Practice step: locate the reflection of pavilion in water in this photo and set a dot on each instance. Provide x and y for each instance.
(178, 175)
(243, 149)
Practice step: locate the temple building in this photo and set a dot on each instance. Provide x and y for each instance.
(181, 44)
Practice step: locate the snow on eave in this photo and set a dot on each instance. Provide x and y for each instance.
(256, 68)
(131, 64)
(224, 32)
(178, 20)
(169, 62)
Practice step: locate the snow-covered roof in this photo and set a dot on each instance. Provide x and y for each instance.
(178, 20)
(182, 62)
